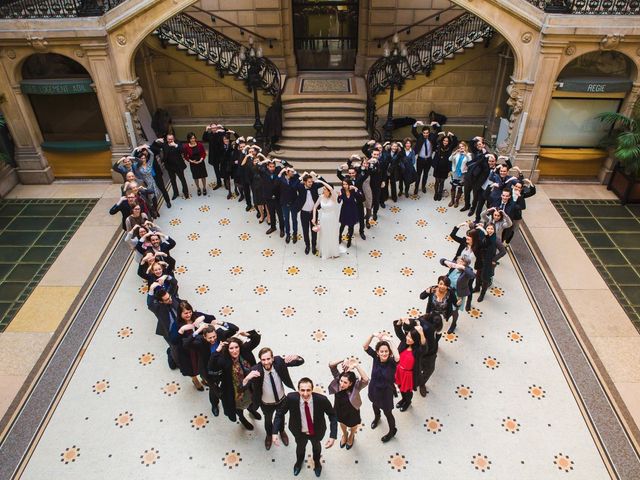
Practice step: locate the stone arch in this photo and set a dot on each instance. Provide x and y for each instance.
(587, 49)
(24, 55)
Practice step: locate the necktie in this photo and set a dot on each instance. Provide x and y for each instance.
(273, 385)
(502, 206)
(307, 414)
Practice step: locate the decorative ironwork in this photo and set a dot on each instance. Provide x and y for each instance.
(218, 50)
(17, 9)
(589, 7)
(423, 54)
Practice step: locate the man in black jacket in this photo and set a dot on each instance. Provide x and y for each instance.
(289, 181)
(268, 379)
(173, 162)
(307, 197)
(306, 422)
(357, 176)
(271, 191)
(165, 308)
(424, 146)
(213, 134)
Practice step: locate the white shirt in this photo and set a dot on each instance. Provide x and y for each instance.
(303, 416)
(308, 204)
(267, 389)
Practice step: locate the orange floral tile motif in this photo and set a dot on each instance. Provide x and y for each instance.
(236, 270)
(193, 236)
(441, 209)
(350, 312)
(202, 289)
(150, 457)
(125, 332)
(171, 388)
(475, 312)
(406, 271)
(144, 288)
(448, 238)
(421, 222)
(199, 421)
(124, 419)
(319, 388)
(308, 461)
(320, 290)
(514, 336)
(414, 196)
(491, 363)
(395, 209)
(450, 337)
(204, 208)
(496, 291)
(243, 237)
(175, 222)
(429, 254)
(563, 462)
(537, 392)
(434, 425)
(399, 237)
(375, 253)
(223, 222)
(464, 392)
(70, 454)
(180, 270)
(319, 335)
(231, 459)
(414, 312)
(146, 359)
(288, 311)
(398, 462)
(267, 252)
(215, 252)
(226, 310)
(100, 386)
(293, 270)
(348, 271)
(379, 291)
(481, 462)
(373, 222)
(510, 425)
(260, 290)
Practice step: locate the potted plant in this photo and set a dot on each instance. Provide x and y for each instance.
(625, 178)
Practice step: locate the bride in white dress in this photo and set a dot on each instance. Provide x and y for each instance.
(328, 222)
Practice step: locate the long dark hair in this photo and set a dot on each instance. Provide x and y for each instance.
(415, 336)
(182, 306)
(351, 377)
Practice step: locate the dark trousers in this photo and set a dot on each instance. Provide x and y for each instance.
(290, 219)
(215, 163)
(301, 446)
(273, 205)
(394, 188)
(163, 190)
(361, 216)
(215, 393)
(427, 367)
(174, 184)
(384, 191)
(349, 232)
(268, 411)
(246, 188)
(376, 195)
(389, 416)
(305, 219)
(422, 170)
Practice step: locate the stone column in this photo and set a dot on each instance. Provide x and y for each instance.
(288, 47)
(363, 38)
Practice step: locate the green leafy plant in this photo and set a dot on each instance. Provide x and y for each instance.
(626, 139)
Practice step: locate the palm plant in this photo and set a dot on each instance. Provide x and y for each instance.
(626, 136)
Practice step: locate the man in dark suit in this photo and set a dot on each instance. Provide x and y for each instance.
(173, 162)
(307, 197)
(124, 206)
(357, 176)
(271, 190)
(289, 181)
(306, 422)
(213, 134)
(268, 379)
(424, 146)
(160, 243)
(165, 308)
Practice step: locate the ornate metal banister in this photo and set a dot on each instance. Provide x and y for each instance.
(589, 7)
(217, 49)
(423, 54)
(16, 9)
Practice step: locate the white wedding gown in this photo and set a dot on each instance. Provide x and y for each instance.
(329, 221)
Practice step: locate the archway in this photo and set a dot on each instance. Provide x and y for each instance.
(66, 107)
(571, 141)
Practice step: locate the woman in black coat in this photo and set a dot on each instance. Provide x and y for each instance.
(441, 164)
(234, 359)
(488, 247)
(441, 298)
(349, 196)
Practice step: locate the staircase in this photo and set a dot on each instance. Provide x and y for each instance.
(322, 130)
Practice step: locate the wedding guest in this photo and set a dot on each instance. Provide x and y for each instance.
(346, 387)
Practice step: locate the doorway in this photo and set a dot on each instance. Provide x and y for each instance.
(325, 34)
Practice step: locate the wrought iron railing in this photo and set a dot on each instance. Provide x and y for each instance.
(423, 54)
(16, 9)
(589, 7)
(220, 51)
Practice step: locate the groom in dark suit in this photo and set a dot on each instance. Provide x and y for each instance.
(307, 198)
(306, 422)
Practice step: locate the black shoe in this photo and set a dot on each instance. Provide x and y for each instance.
(314, 250)
(240, 198)
(246, 423)
(168, 204)
(382, 205)
(404, 407)
(400, 404)
(215, 410)
(470, 214)
(415, 190)
(248, 208)
(295, 238)
(349, 243)
(424, 189)
(389, 436)
(204, 191)
(296, 469)
(366, 222)
(271, 230)
(229, 196)
(375, 422)
(287, 239)
(186, 195)
(317, 470)
(199, 192)
(172, 363)
(481, 297)
(258, 213)
(175, 195)
(406, 195)
(363, 236)
(281, 234)
(255, 414)
(375, 216)
(306, 250)
(423, 390)
(465, 208)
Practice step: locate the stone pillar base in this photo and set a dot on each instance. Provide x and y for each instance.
(8, 179)
(42, 176)
(33, 167)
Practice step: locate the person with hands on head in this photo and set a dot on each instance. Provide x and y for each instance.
(268, 379)
(441, 298)
(348, 197)
(409, 354)
(461, 276)
(346, 387)
(307, 411)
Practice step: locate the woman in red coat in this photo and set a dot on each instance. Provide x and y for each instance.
(193, 153)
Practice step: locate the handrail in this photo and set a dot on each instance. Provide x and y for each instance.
(240, 27)
(423, 54)
(19, 9)
(409, 27)
(589, 7)
(217, 49)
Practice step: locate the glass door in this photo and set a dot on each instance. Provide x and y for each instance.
(325, 34)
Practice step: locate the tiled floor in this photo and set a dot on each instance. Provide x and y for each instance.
(32, 234)
(499, 404)
(610, 234)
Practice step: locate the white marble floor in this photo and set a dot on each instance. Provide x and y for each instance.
(499, 404)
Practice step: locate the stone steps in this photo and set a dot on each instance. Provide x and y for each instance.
(300, 142)
(333, 133)
(307, 106)
(310, 123)
(319, 114)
